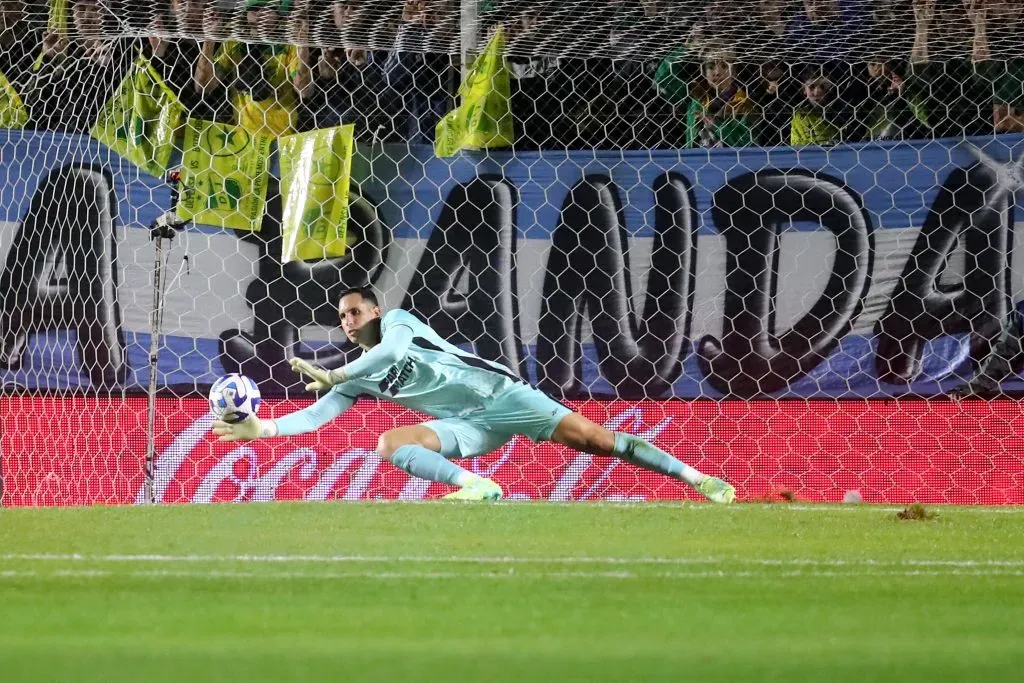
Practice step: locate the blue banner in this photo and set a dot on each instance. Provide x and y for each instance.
(873, 270)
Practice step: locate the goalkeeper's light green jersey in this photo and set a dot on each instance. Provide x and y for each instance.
(430, 375)
(434, 377)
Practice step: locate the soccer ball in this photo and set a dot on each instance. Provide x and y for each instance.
(233, 398)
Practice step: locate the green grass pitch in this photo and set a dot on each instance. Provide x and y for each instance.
(510, 592)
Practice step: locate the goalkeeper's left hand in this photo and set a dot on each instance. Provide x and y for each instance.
(322, 379)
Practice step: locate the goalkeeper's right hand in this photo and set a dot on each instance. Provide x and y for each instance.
(322, 379)
(247, 430)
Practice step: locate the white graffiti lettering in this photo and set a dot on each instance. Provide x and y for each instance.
(570, 478)
(171, 458)
(254, 486)
(240, 468)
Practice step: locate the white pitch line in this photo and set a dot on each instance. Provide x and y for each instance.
(391, 575)
(502, 560)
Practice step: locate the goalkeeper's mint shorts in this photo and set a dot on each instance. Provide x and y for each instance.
(520, 410)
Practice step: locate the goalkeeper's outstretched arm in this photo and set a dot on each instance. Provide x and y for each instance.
(329, 406)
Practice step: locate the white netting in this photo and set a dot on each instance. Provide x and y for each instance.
(759, 30)
(742, 229)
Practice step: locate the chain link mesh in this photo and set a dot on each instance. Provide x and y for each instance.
(703, 221)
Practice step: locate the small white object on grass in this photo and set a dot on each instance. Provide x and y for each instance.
(852, 497)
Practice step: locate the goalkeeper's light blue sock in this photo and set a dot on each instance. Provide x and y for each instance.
(427, 464)
(636, 451)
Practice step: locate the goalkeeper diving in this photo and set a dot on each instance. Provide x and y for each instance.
(478, 406)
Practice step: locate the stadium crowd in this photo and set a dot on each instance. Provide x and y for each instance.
(746, 72)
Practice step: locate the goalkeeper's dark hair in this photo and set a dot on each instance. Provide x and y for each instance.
(366, 293)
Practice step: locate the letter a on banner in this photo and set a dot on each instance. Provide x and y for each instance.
(224, 175)
(315, 173)
(483, 118)
(141, 119)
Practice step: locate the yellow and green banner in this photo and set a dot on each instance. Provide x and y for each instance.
(483, 118)
(140, 120)
(316, 169)
(12, 111)
(225, 171)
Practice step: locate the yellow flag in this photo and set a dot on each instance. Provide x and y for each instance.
(12, 111)
(315, 176)
(140, 120)
(483, 118)
(224, 175)
(57, 19)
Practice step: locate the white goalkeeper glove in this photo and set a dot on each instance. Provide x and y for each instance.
(247, 430)
(322, 379)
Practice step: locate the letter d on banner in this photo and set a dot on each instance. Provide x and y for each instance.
(316, 170)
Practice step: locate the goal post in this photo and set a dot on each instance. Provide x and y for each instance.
(797, 274)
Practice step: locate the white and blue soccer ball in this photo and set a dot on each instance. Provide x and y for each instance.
(233, 398)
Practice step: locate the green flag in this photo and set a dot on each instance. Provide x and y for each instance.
(224, 175)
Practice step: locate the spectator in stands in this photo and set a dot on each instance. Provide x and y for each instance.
(1000, 22)
(301, 66)
(827, 30)
(418, 82)
(814, 120)
(718, 111)
(542, 93)
(892, 102)
(888, 37)
(776, 93)
(617, 103)
(259, 75)
(176, 59)
(955, 100)
(347, 80)
(745, 27)
(77, 75)
(19, 44)
(774, 15)
(633, 27)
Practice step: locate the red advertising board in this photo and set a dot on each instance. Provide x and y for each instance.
(83, 451)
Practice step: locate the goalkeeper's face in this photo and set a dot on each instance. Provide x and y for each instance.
(359, 318)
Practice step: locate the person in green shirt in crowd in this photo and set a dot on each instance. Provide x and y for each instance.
(819, 119)
(951, 96)
(19, 42)
(264, 77)
(78, 71)
(894, 106)
(176, 59)
(719, 113)
(1008, 96)
(1001, 23)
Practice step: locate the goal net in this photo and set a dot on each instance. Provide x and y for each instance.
(774, 237)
